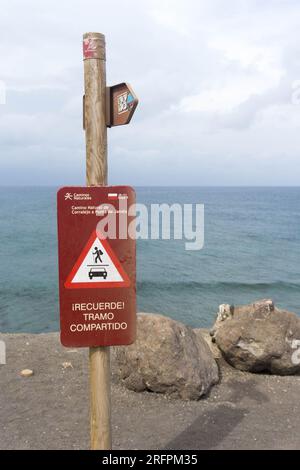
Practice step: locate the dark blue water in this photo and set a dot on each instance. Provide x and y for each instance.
(251, 251)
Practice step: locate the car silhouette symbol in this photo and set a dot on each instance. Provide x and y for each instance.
(97, 272)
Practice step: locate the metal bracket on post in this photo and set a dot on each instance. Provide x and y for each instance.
(108, 107)
(83, 112)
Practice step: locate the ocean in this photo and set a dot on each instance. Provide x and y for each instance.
(251, 251)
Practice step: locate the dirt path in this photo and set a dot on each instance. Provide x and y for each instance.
(50, 409)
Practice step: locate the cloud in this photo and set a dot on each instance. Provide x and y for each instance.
(215, 83)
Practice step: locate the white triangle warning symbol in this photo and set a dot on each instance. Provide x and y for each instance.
(97, 266)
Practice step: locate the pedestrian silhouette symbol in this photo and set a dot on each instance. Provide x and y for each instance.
(97, 253)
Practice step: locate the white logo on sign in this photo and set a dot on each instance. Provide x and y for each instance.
(122, 103)
(97, 266)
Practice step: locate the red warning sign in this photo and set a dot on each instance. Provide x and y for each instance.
(97, 273)
(97, 267)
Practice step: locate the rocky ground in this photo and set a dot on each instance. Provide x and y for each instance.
(49, 410)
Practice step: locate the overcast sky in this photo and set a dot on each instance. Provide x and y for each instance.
(215, 81)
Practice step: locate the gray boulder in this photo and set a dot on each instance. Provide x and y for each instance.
(167, 357)
(259, 338)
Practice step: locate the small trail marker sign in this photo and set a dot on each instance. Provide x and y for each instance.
(122, 103)
(97, 275)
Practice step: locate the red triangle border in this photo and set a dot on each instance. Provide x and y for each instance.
(88, 285)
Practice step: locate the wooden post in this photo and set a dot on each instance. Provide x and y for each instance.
(96, 175)
(95, 109)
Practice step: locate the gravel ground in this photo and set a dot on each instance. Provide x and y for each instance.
(50, 409)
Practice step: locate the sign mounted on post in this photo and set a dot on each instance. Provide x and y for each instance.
(121, 104)
(96, 266)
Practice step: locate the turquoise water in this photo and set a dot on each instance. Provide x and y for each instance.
(251, 251)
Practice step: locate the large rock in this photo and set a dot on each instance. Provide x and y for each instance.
(167, 357)
(259, 337)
